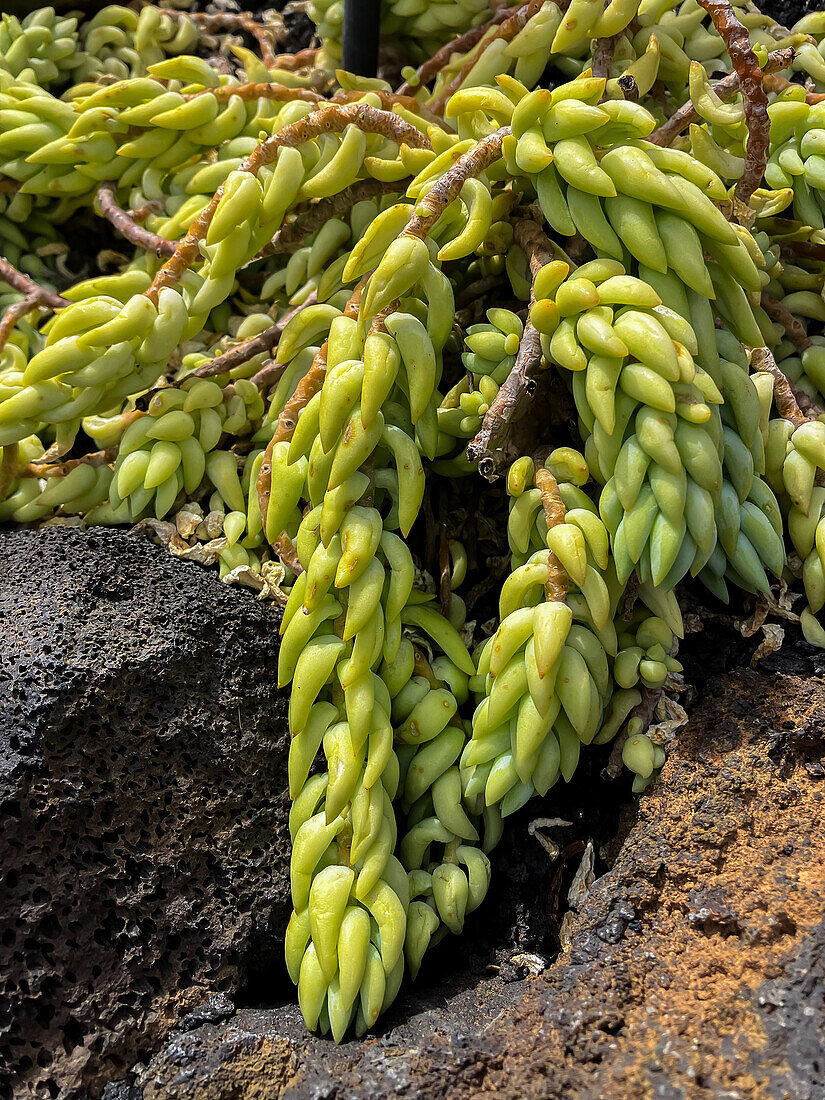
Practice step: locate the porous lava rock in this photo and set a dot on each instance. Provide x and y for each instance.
(143, 817)
(694, 972)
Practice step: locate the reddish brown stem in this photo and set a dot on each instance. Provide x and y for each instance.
(285, 549)
(22, 283)
(8, 467)
(127, 227)
(141, 213)
(444, 589)
(556, 584)
(745, 62)
(803, 250)
(430, 208)
(240, 21)
(15, 312)
(329, 118)
(631, 595)
(307, 388)
(60, 469)
(507, 31)
(476, 291)
(389, 100)
(291, 236)
(518, 384)
(309, 385)
(426, 71)
(726, 89)
(789, 400)
(248, 349)
(644, 710)
(777, 84)
(279, 93)
(603, 51)
(268, 376)
(242, 353)
(303, 59)
(779, 312)
(530, 237)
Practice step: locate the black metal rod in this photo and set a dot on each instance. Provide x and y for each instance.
(362, 21)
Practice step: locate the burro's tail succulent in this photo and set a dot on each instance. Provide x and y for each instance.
(473, 376)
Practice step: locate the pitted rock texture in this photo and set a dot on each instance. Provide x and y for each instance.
(143, 838)
(695, 970)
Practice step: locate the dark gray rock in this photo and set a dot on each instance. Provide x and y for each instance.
(143, 839)
(793, 1014)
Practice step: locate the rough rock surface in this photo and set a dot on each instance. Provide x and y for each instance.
(695, 970)
(144, 848)
(145, 886)
(142, 852)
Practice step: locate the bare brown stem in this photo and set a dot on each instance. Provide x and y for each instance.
(430, 68)
(779, 312)
(777, 84)
(127, 227)
(285, 549)
(644, 710)
(309, 385)
(141, 213)
(516, 387)
(726, 89)
(60, 469)
(268, 376)
(519, 384)
(478, 289)
(507, 31)
(556, 584)
(803, 250)
(791, 402)
(279, 93)
(291, 236)
(390, 99)
(444, 589)
(303, 59)
(8, 468)
(329, 118)
(14, 313)
(22, 283)
(430, 208)
(603, 50)
(745, 62)
(235, 21)
(248, 349)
